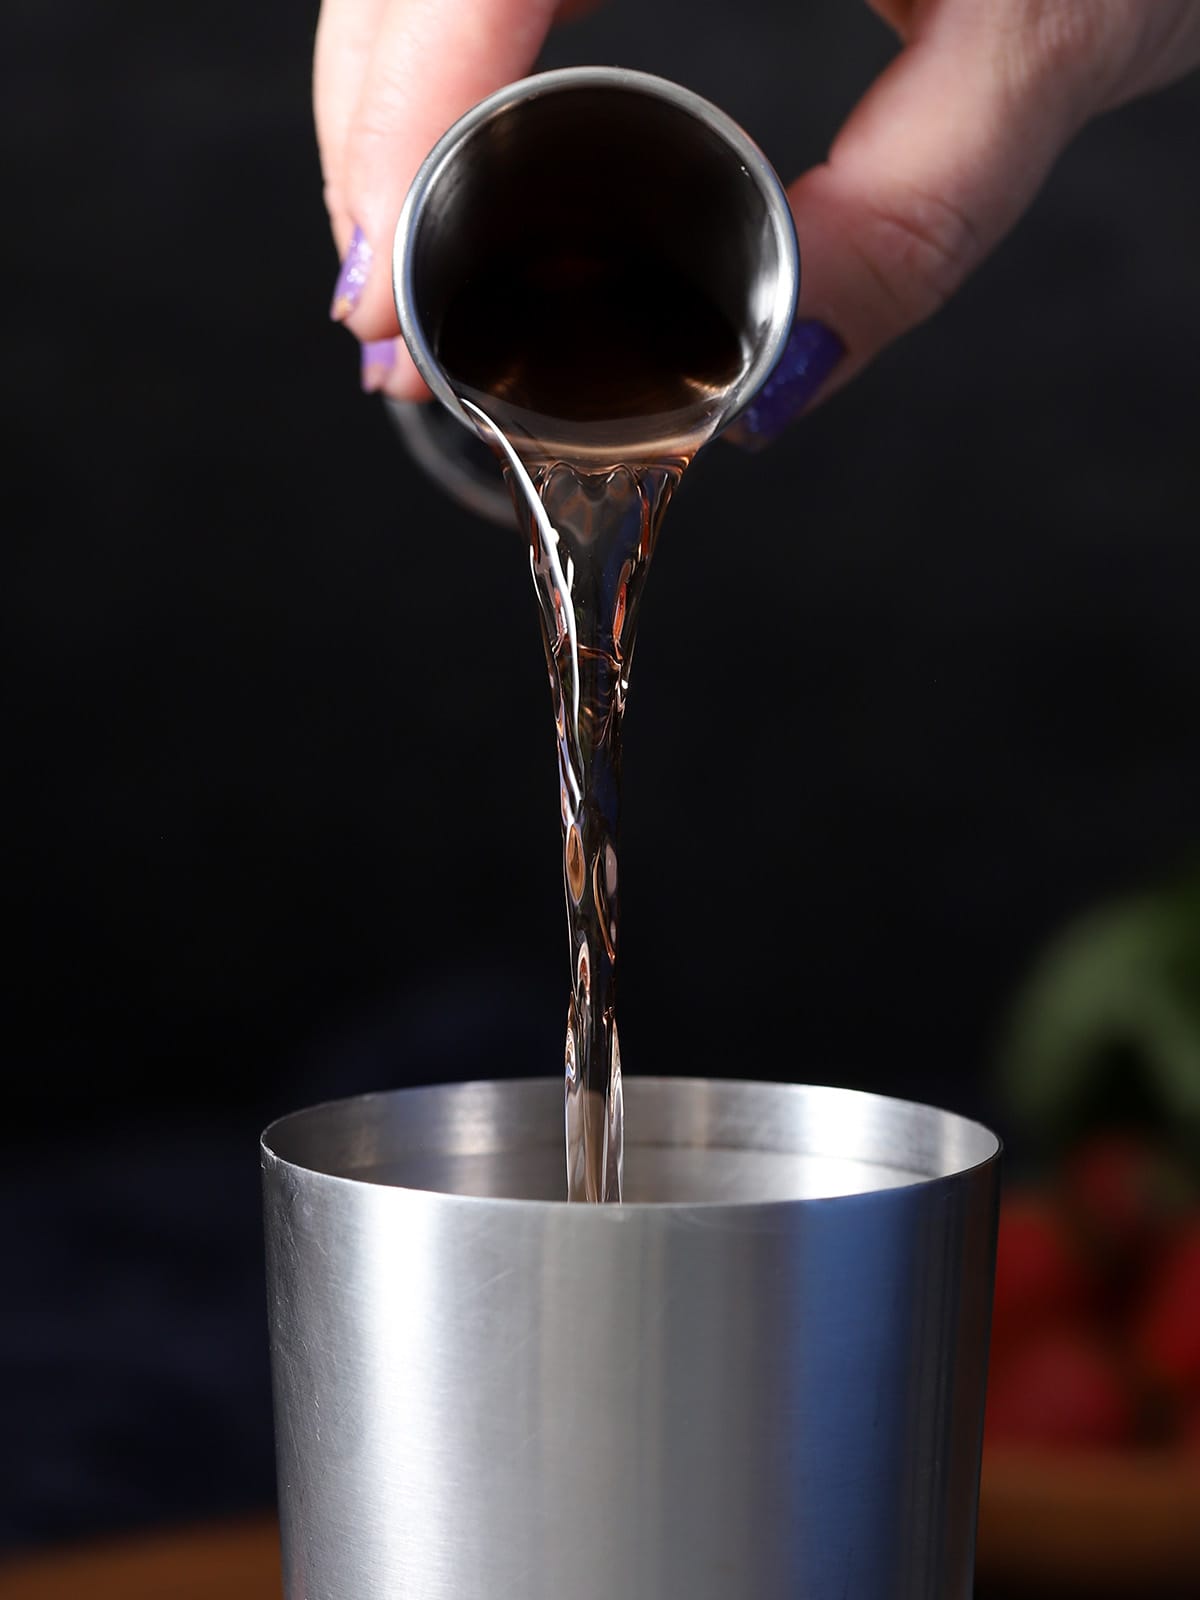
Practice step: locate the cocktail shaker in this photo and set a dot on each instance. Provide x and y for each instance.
(760, 1378)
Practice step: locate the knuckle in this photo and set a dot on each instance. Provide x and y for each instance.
(919, 248)
(1067, 46)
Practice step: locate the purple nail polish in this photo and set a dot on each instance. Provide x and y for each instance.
(810, 355)
(352, 279)
(378, 360)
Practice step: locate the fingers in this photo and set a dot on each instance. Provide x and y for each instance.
(931, 170)
(346, 32)
(390, 77)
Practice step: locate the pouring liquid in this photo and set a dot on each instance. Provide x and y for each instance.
(595, 376)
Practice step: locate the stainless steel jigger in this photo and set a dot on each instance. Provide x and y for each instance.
(760, 1378)
(657, 162)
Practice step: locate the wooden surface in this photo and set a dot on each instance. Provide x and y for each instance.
(231, 1562)
(1122, 1524)
(1094, 1526)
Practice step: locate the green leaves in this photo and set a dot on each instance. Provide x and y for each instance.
(1109, 1019)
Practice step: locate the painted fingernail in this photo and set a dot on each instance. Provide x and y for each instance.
(352, 279)
(810, 355)
(378, 361)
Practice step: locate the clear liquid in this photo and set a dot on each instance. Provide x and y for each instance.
(596, 378)
(676, 1174)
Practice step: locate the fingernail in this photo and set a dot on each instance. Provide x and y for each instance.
(352, 279)
(810, 355)
(378, 360)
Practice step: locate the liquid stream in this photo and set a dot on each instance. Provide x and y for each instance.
(592, 463)
(592, 533)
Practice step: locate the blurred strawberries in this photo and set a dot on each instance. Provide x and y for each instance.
(1189, 1432)
(1166, 1327)
(1123, 1191)
(1062, 1386)
(1098, 1062)
(1096, 1326)
(1042, 1276)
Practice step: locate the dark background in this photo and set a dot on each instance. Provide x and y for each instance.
(912, 690)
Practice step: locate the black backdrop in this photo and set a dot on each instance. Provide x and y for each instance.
(280, 798)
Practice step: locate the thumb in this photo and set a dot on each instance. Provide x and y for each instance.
(931, 170)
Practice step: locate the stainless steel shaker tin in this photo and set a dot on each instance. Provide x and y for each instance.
(761, 1379)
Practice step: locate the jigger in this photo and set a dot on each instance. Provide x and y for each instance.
(615, 159)
(760, 1378)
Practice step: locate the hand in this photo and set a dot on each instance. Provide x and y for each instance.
(389, 77)
(933, 167)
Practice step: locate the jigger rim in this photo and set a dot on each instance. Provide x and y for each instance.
(558, 80)
(931, 1145)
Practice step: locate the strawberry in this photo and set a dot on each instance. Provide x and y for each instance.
(1189, 1432)
(1063, 1387)
(1165, 1334)
(1125, 1193)
(1041, 1274)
